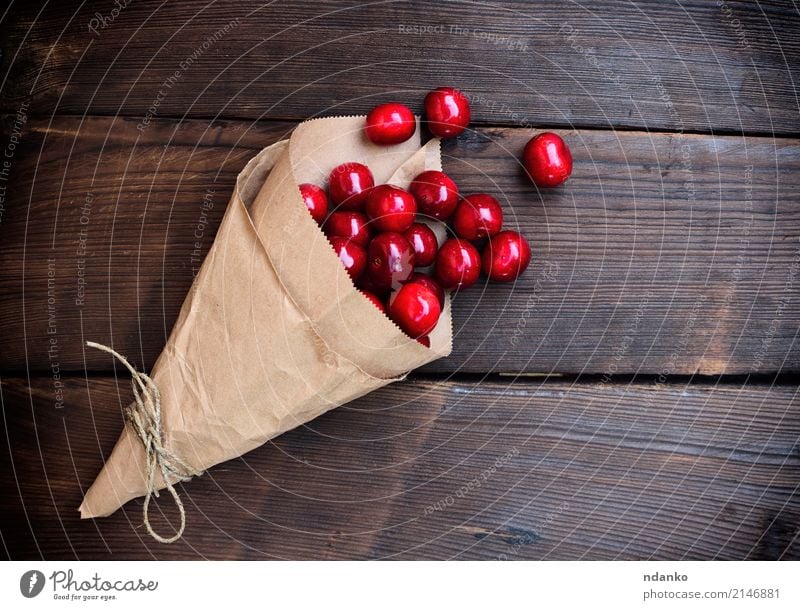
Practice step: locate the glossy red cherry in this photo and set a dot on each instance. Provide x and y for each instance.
(547, 160)
(436, 194)
(316, 201)
(349, 184)
(391, 208)
(506, 256)
(415, 309)
(350, 225)
(375, 300)
(353, 256)
(447, 112)
(390, 124)
(423, 240)
(458, 264)
(424, 340)
(390, 260)
(478, 216)
(430, 283)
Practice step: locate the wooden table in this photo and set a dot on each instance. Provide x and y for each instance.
(633, 396)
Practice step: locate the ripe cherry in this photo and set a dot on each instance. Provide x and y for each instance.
(375, 300)
(365, 284)
(430, 283)
(423, 240)
(458, 264)
(390, 124)
(316, 201)
(391, 208)
(436, 194)
(390, 260)
(353, 256)
(350, 225)
(478, 216)
(506, 256)
(415, 309)
(547, 160)
(349, 185)
(447, 112)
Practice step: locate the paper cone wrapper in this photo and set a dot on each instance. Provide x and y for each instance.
(273, 333)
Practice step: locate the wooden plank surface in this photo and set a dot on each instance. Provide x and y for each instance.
(664, 254)
(688, 66)
(427, 469)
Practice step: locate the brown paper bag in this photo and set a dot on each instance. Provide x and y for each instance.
(273, 333)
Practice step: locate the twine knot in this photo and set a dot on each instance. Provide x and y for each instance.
(145, 419)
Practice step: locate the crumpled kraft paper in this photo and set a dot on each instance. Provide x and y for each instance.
(273, 333)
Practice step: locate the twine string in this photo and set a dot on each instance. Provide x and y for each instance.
(145, 419)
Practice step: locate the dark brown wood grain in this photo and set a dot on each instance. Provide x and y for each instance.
(664, 254)
(517, 470)
(697, 66)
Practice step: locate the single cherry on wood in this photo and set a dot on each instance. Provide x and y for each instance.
(478, 216)
(447, 112)
(391, 208)
(436, 194)
(316, 201)
(458, 264)
(390, 260)
(505, 256)
(349, 184)
(390, 124)
(423, 240)
(547, 160)
(350, 225)
(415, 309)
(352, 256)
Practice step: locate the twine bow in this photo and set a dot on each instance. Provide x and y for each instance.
(145, 419)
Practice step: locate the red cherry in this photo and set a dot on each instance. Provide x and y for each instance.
(547, 160)
(447, 112)
(436, 194)
(458, 264)
(390, 124)
(423, 239)
(424, 340)
(365, 284)
(390, 260)
(506, 256)
(415, 309)
(316, 201)
(430, 283)
(350, 225)
(391, 208)
(352, 256)
(478, 216)
(349, 185)
(375, 300)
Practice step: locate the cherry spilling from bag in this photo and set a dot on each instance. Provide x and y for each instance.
(383, 234)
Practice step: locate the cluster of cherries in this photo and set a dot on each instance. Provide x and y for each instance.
(376, 234)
